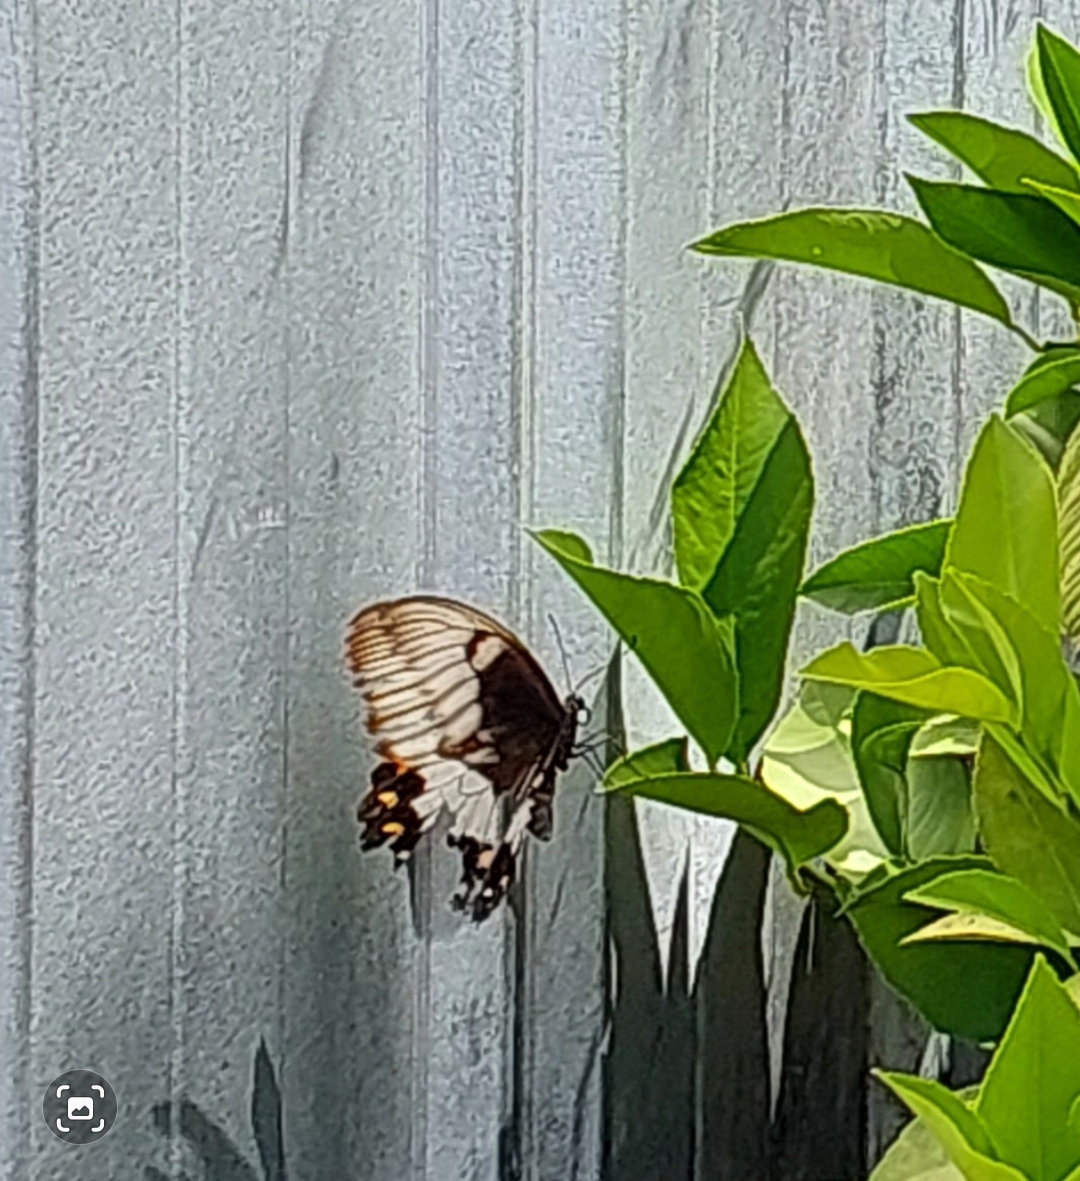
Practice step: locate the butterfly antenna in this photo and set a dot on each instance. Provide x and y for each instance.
(562, 650)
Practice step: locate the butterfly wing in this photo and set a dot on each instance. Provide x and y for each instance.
(466, 721)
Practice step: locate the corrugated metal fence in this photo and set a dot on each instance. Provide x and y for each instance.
(307, 302)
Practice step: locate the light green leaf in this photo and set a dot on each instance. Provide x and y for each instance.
(913, 676)
(965, 989)
(982, 892)
(757, 580)
(796, 835)
(1059, 70)
(1068, 490)
(686, 650)
(1017, 232)
(1028, 837)
(869, 243)
(879, 573)
(1006, 527)
(946, 734)
(957, 1128)
(662, 758)
(1051, 699)
(717, 481)
(1001, 157)
(1051, 374)
(1033, 1080)
(916, 1155)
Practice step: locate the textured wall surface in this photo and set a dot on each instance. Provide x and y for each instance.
(308, 302)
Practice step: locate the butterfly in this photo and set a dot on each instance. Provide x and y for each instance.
(464, 721)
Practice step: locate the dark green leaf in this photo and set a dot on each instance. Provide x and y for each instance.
(717, 481)
(880, 572)
(1050, 374)
(966, 989)
(1032, 1084)
(881, 734)
(1065, 199)
(1029, 838)
(1016, 232)
(686, 650)
(914, 676)
(1059, 66)
(1006, 526)
(869, 243)
(982, 892)
(796, 836)
(757, 581)
(1001, 157)
(940, 818)
(662, 758)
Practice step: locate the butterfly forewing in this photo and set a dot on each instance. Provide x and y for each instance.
(465, 721)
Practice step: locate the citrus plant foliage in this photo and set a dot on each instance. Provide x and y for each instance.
(934, 788)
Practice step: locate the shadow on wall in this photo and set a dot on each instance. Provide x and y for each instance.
(220, 1158)
(686, 1077)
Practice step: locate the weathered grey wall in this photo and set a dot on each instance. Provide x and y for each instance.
(303, 303)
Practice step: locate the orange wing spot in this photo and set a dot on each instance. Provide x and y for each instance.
(388, 799)
(393, 829)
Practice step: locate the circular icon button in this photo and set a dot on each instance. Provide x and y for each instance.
(79, 1107)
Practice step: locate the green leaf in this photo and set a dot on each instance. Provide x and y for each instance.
(1029, 838)
(965, 989)
(1006, 526)
(757, 582)
(940, 817)
(1034, 1079)
(1059, 68)
(881, 734)
(1016, 232)
(1065, 199)
(724, 469)
(880, 572)
(796, 835)
(1050, 728)
(916, 1155)
(686, 650)
(869, 243)
(982, 892)
(662, 758)
(1001, 157)
(741, 514)
(957, 1128)
(1051, 374)
(913, 676)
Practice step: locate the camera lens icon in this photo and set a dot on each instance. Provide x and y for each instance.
(79, 1107)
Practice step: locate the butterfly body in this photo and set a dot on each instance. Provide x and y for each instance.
(465, 721)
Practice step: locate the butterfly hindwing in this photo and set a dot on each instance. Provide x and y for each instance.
(466, 722)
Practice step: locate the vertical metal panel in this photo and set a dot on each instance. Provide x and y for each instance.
(18, 430)
(470, 522)
(353, 1073)
(104, 921)
(573, 428)
(231, 520)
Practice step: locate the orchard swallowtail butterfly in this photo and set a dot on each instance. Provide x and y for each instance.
(464, 720)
